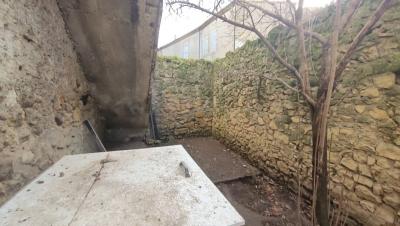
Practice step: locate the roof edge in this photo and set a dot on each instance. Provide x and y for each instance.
(199, 28)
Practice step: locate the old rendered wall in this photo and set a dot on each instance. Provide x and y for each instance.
(182, 97)
(116, 43)
(43, 93)
(271, 125)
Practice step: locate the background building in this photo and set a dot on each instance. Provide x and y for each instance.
(214, 38)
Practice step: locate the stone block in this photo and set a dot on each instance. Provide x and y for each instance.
(370, 92)
(349, 163)
(273, 125)
(385, 213)
(371, 160)
(377, 189)
(359, 108)
(364, 170)
(392, 199)
(378, 114)
(389, 151)
(348, 183)
(370, 206)
(363, 180)
(365, 193)
(385, 80)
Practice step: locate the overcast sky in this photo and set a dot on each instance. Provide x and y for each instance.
(173, 26)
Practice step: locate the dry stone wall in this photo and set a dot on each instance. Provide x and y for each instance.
(182, 97)
(270, 124)
(44, 96)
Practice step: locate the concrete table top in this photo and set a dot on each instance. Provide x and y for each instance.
(132, 187)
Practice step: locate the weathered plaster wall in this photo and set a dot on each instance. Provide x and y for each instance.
(116, 43)
(182, 97)
(270, 124)
(43, 93)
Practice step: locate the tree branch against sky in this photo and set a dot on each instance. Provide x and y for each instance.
(173, 26)
(332, 66)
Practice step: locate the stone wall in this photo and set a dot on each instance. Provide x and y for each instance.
(270, 124)
(182, 97)
(44, 96)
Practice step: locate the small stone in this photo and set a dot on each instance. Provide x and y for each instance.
(363, 180)
(389, 151)
(379, 114)
(371, 160)
(377, 189)
(364, 193)
(348, 183)
(364, 170)
(385, 80)
(397, 141)
(27, 157)
(76, 115)
(273, 126)
(281, 137)
(295, 119)
(384, 163)
(386, 213)
(359, 108)
(360, 156)
(349, 163)
(392, 199)
(370, 92)
(370, 206)
(260, 121)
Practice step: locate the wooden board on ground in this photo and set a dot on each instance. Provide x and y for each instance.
(132, 187)
(219, 163)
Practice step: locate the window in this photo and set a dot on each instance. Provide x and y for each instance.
(213, 41)
(204, 45)
(185, 52)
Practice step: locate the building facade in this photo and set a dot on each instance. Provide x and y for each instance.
(214, 38)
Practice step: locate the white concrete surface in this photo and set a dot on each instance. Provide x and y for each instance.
(132, 187)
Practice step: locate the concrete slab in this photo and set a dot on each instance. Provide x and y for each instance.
(133, 187)
(219, 163)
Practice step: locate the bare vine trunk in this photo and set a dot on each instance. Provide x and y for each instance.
(320, 165)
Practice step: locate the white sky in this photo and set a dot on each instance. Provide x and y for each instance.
(173, 26)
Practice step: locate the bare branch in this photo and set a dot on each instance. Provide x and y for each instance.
(308, 98)
(302, 55)
(383, 6)
(283, 82)
(263, 39)
(249, 12)
(285, 21)
(353, 6)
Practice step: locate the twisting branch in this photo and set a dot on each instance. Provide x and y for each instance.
(285, 21)
(353, 6)
(383, 6)
(302, 48)
(283, 82)
(263, 39)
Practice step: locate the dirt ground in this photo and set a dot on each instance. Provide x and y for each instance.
(260, 200)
